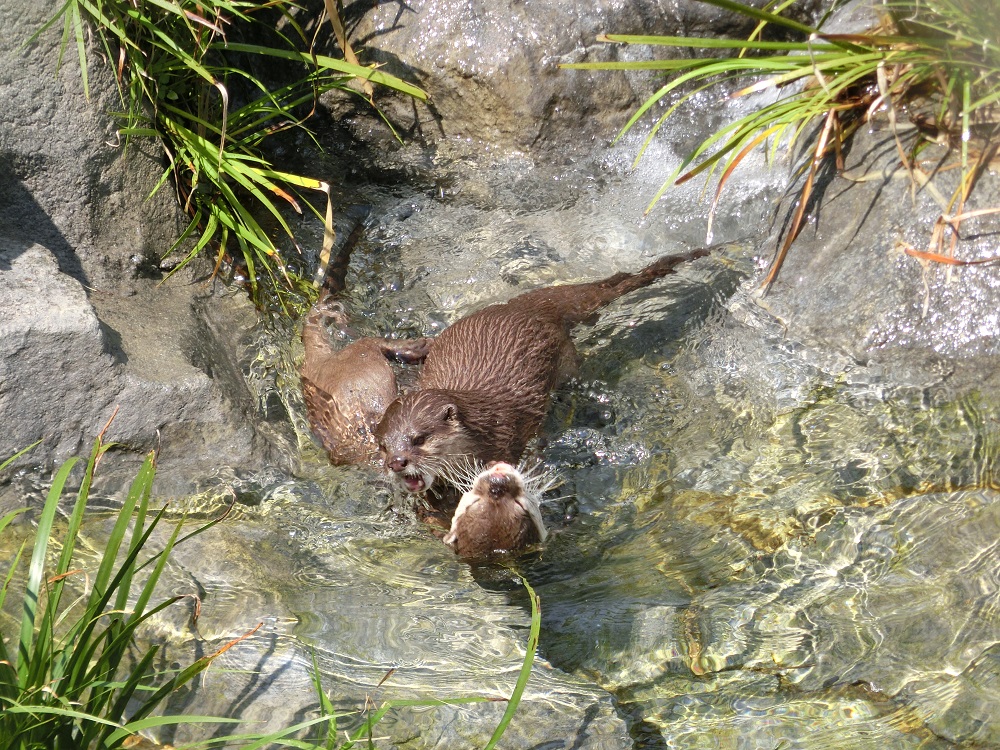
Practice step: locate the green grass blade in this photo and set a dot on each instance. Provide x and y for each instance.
(36, 569)
(142, 488)
(23, 451)
(9, 684)
(699, 42)
(257, 740)
(101, 594)
(529, 660)
(325, 706)
(6, 520)
(61, 13)
(67, 713)
(126, 690)
(81, 48)
(134, 727)
(372, 720)
(81, 659)
(761, 15)
(161, 561)
(663, 91)
(185, 676)
(75, 520)
(358, 71)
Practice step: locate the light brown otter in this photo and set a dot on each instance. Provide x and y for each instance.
(500, 513)
(347, 389)
(484, 389)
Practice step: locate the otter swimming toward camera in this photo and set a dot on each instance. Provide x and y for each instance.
(484, 389)
(500, 513)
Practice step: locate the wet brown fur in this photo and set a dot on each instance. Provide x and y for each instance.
(484, 388)
(493, 516)
(347, 389)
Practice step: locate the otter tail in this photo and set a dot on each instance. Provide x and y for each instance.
(591, 297)
(623, 283)
(334, 281)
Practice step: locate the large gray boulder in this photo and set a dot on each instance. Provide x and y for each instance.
(83, 331)
(491, 69)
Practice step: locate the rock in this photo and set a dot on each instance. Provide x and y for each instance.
(68, 181)
(83, 331)
(68, 364)
(51, 342)
(491, 69)
(848, 286)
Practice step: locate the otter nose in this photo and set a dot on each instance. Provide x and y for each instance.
(398, 463)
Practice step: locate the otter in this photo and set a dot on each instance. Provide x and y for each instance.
(483, 393)
(500, 513)
(346, 390)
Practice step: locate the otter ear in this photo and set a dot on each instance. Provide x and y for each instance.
(449, 413)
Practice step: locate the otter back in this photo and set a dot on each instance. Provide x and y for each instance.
(487, 380)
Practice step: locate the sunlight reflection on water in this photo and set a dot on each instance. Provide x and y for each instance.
(754, 545)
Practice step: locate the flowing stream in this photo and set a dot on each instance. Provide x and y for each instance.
(754, 545)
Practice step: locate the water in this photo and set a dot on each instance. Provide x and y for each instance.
(755, 544)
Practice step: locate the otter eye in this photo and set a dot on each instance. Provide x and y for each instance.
(417, 440)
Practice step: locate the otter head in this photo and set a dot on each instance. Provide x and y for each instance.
(499, 514)
(500, 482)
(420, 436)
(332, 313)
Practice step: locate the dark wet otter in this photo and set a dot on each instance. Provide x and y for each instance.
(347, 389)
(484, 389)
(500, 513)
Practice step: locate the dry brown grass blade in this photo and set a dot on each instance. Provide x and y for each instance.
(333, 11)
(729, 170)
(946, 259)
(885, 96)
(288, 198)
(221, 256)
(387, 675)
(227, 646)
(329, 235)
(67, 574)
(818, 155)
(194, 17)
(224, 93)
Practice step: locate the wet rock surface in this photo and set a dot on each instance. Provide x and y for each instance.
(491, 69)
(849, 286)
(87, 326)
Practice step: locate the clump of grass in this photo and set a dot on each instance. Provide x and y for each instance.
(69, 679)
(186, 80)
(937, 60)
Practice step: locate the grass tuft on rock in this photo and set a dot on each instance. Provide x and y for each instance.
(935, 62)
(188, 78)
